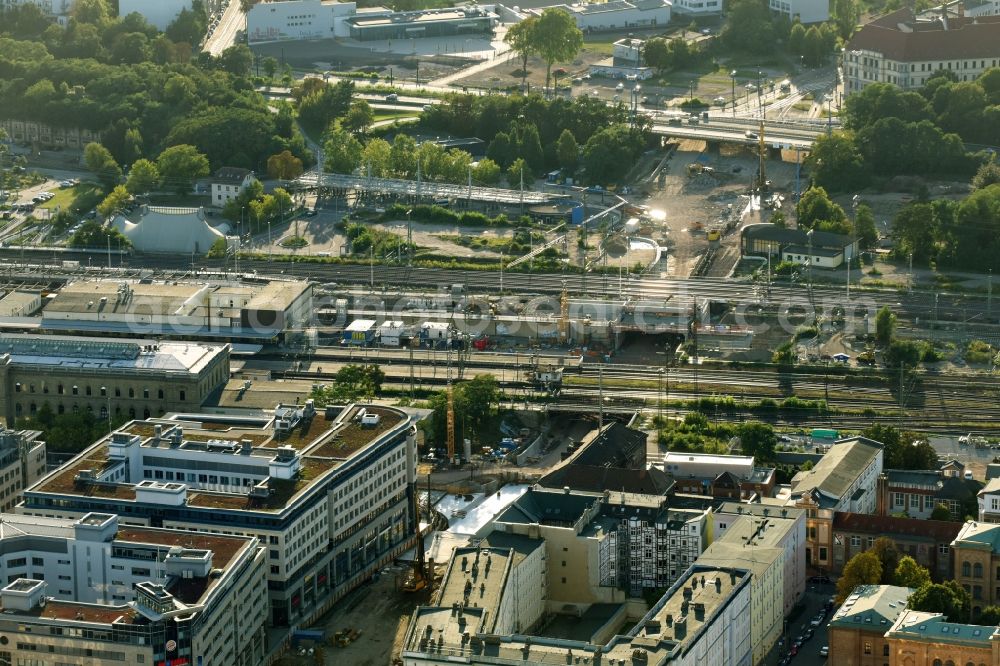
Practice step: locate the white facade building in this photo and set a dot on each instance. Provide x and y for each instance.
(160, 13)
(228, 183)
(615, 14)
(845, 479)
(77, 584)
(703, 465)
(298, 19)
(331, 496)
(698, 7)
(806, 11)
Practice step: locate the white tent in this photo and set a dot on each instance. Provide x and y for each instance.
(174, 230)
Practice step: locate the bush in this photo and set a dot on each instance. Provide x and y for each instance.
(693, 103)
(804, 332)
(979, 352)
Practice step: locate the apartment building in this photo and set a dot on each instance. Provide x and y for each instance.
(905, 50)
(22, 462)
(228, 183)
(329, 493)
(916, 493)
(602, 544)
(857, 631)
(720, 476)
(137, 379)
(749, 545)
(988, 500)
(844, 480)
(769, 526)
(805, 11)
(702, 620)
(93, 591)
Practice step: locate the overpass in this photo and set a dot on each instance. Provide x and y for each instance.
(723, 129)
(417, 188)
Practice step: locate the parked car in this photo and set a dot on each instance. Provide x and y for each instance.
(816, 621)
(824, 651)
(392, 97)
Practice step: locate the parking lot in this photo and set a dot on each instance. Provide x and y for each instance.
(798, 625)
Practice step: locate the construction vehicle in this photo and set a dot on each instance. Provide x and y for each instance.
(419, 576)
(867, 357)
(696, 168)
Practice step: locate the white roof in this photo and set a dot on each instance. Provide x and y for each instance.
(389, 325)
(361, 325)
(706, 458)
(162, 229)
(434, 324)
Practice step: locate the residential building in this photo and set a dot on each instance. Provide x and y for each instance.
(329, 492)
(172, 230)
(964, 8)
(159, 14)
(826, 250)
(49, 7)
(702, 620)
(228, 183)
(495, 587)
(720, 476)
(767, 585)
(906, 51)
(976, 562)
(803, 11)
(772, 527)
(93, 591)
(989, 502)
(235, 311)
(843, 480)
(141, 378)
(626, 61)
(916, 493)
(22, 462)
(928, 639)
(600, 544)
(857, 631)
(926, 541)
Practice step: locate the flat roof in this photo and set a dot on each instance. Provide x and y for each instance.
(323, 444)
(74, 352)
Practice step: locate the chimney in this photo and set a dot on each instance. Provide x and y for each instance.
(718, 585)
(680, 628)
(732, 578)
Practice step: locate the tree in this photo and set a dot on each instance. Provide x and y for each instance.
(517, 172)
(236, 60)
(816, 210)
(521, 39)
(796, 37)
(180, 166)
(270, 65)
(189, 25)
(610, 153)
(885, 325)
(656, 54)
(778, 219)
(749, 27)
(941, 512)
(862, 569)
(143, 177)
(836, 163)
(487, 172)
(846, 14)
(284, 166)
(343, 151)
(99, 160)
(987, 174)
(567, 151)
(95, 12)
(758, 440)
(359, 117)
(530, 148)
(351, 383)
(902, 353)
(910, 574)
(475, 403)
(885, 550)
(377, 158)
(93, 235)
(864, 227)
(115, 202)
(948, 598)
(989, 616)
(556, 38)
(500, 150)
(902, 450)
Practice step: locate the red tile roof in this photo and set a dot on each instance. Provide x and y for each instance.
(898, 36)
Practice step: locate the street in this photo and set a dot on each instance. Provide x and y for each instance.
(797, 624)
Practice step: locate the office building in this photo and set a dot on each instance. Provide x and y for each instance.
(137, 379)
(719, 476)
(93, 591)
(926, 541)
(329, 492)
(803, 11)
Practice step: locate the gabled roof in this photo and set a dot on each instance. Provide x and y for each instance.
(872, 607)
(547, 507)
(839, 467)
(230, 175)
(820, 239)
(928, 479)
(992, 487)
(979, 536)
(592, 478)
(615, 446)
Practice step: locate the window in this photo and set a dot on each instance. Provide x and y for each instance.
(855, 540)
(868, 647)
(977, 570)
(131, 392)
(145, 393)
(943, 550)
(822, 553)
(37, 562)
(88, 390)
(159, 394)
(915, 501)
(966, 569)
(183, 394)
(885, 650)
(104, 391)
(977, 591)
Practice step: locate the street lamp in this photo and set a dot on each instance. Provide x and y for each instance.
(732, 75)
(809, 235)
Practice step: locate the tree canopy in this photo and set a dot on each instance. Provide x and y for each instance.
(556, 38)
(910, 574)
(948, 598)
(863, 569)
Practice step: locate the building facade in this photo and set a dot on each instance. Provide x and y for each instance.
(906, 51)
(804, 11)
(22, 462)
(976, 562)
(926, 541)
(329, 492)
(133, 379)
(857, 631)
(159, 14)
(228, 183)
(92, 591)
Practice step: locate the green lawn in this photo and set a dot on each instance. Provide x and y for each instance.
(77, 199)
(393, 115)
